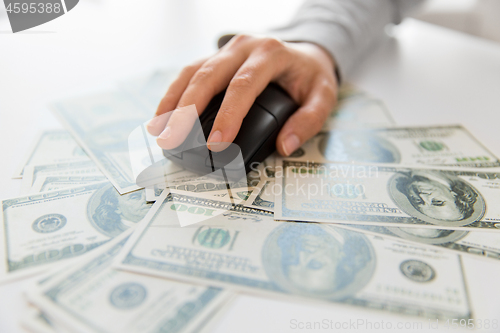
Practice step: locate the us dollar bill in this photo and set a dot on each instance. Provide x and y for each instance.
(245, 249)
(263, 196)
(464, 242)
(33, 172)
(42, 230)
(431, 145)
(190, 183)
(101, 125)
(457, 199)
(356, 109)
(484, 244)
(51, 183)
(203, 189)
(51, 147)
(94, 297)
(154, 192)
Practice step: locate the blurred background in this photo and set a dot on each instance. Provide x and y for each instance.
(476, 17)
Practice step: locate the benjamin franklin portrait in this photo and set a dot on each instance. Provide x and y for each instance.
(437, 197)
(112, 213)
(318, 261)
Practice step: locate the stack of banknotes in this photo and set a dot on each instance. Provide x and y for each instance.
(366, 214)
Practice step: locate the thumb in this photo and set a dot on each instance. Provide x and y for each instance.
(308, 120)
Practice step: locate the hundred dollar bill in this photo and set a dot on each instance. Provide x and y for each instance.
(42, 230)
(101, 124)
(245, 249)
(431, 145)
(33, 172)
(51, 147)
(93, 297)
(356, 109)
(51, 183)
(457, 199)
(465, 242)
(263, 198)
(190, 183)
(485, 244)
(154, 192)
(233, 195)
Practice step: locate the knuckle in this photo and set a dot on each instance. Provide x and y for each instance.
(272, 45)
(202, 75)
(242, 81)
(238, 39)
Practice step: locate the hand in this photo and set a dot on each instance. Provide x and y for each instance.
(245, 65)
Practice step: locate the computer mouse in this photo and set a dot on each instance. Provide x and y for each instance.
(255, 141)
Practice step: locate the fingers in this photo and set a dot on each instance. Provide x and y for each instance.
(308, 120)
(171, 98)
(177, 87)
(210, 79)
(250, 80)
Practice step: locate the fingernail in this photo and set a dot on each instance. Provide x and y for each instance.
(215, 138)
(291, 144)
(165, 134)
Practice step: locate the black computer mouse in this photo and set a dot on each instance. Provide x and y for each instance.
(256, 139)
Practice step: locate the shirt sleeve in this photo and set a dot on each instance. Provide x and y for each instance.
(347, 29)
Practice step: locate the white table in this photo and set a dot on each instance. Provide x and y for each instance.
(425, 74)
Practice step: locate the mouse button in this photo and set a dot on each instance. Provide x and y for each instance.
(207, 118)
(193, 145)
(256, 128)
(277, 102)
(212, 108)
(195, 160)
(207, 128)
(226, 157)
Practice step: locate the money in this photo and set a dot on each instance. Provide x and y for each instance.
(456, 199)
(101, 125)
(79, 297)
(245, 249)
(43, 230)
(464, 242)
(262, 198)
(356, 109)
(208, 187)
(484, 244)
(154, 192)
(51, 183)
(51, 147)
(33, 172)
(431, 145)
